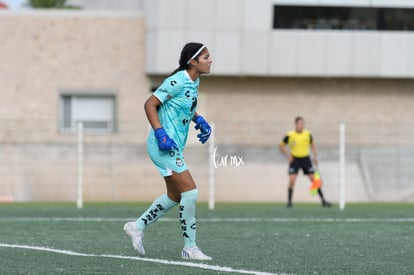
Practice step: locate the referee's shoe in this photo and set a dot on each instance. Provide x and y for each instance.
(326, 204)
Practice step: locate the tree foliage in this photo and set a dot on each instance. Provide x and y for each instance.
(50, 4)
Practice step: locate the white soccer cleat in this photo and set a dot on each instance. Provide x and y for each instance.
(194, 253)
(136, 236)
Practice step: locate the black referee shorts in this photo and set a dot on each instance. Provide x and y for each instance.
(301, 163)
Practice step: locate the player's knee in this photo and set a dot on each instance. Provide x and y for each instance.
(191, 195)
(174, 196)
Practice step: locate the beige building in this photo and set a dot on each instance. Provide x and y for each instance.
(58, 68)
(61, 67)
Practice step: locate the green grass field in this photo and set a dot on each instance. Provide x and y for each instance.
(242, 239)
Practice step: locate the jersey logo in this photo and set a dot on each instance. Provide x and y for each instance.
(194, 104)
(179, 162)
(173, 82)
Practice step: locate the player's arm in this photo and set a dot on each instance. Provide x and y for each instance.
(151, 110)
(165, 143)
(314, 151)
(283, 148)
(163, 93)
(195, 115)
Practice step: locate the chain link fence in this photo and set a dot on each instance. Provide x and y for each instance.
(40, 163)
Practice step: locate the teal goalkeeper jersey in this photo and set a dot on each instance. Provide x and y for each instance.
(178, 95)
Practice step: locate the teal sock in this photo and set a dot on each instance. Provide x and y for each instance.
(157, 209)
(187, 217)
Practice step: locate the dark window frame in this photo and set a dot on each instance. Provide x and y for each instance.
(69, 127)
(343, 18)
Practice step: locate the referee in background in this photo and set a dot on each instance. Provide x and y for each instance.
(299, 141)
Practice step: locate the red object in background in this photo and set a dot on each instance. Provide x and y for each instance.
(3, 6)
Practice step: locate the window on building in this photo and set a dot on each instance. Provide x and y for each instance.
(343, 18)
(96, 112)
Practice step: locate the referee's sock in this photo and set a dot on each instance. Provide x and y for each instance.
(321, 194)
(290, 194)
(158, 208)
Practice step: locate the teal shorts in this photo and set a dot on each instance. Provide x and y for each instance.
(166, 162)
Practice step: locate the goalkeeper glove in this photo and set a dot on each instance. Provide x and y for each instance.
(165, 143)
(205, 129)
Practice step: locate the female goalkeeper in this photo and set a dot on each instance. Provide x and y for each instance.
(170, 111)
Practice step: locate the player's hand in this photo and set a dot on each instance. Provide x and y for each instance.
(315, 160)
(204, 127)
(290, 158)
(165, 143)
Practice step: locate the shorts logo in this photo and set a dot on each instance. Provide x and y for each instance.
(179, 162)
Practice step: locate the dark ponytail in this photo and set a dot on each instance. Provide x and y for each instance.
(187, 53)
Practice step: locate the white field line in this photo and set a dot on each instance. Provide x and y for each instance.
(152, 260)
(212, 220)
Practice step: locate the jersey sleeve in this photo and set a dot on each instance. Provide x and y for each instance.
(170, 88)
(285, 140)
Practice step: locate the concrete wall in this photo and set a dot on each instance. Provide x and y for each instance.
(44, 54)
(252, 114)
(376, 110)
(109, 5)
(91, 52)
(240, 37)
